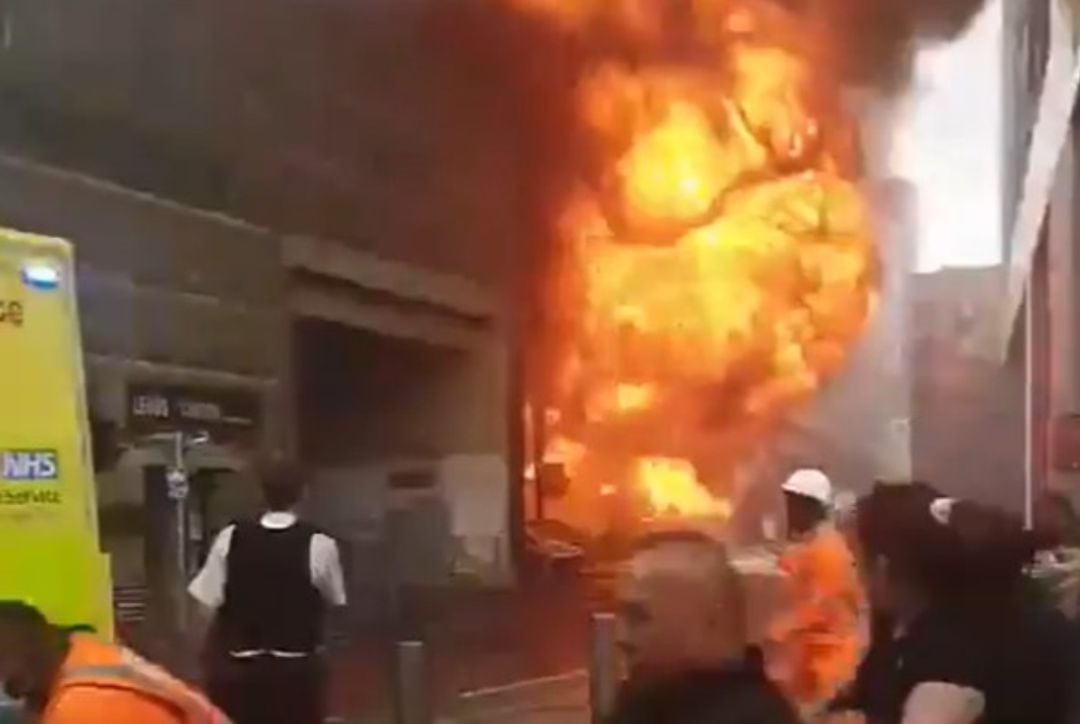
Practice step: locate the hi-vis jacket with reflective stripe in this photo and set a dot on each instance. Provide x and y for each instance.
(100, 683)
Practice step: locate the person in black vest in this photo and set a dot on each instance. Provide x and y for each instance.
(269, 583)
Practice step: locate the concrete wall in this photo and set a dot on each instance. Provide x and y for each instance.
(370, 404)
(363, 138)
(322, 118)
(164, 292)
(1062, 236)
(1026, 45)
(365, 397)
(167, 295)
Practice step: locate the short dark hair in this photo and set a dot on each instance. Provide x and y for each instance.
(893, 522)
(19, 614)
(807, 504)
(975, 555)
(283, 482)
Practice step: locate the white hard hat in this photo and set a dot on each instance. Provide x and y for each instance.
(810, 483)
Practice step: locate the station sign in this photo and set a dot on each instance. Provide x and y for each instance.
(226, 414)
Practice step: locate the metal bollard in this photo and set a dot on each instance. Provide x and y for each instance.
(603, 667)
(412, 704)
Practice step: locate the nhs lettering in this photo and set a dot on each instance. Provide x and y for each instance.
(29, 466)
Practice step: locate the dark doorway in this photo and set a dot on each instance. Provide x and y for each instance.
(363, 396)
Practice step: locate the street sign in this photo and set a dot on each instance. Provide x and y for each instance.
(177, 484)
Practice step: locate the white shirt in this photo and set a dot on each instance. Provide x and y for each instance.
(208, 588)
(935, 702)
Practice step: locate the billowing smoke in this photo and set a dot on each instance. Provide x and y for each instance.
(523, 64)
(515, 59)
(875, 39)
(702, 260)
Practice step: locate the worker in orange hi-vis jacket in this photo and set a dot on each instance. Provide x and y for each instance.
(818, 638)
(75, 678)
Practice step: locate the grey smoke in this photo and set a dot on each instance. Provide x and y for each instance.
(877, 38)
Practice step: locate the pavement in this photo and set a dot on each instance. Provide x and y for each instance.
(503, 655)
(562, 699)
(492, 655)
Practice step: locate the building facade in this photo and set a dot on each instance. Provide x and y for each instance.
(326, 249)
(1043, 237)
(972, 410)
(963, 397)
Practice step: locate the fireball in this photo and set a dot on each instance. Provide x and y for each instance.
(716, 258)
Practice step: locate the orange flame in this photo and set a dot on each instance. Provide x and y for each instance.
(717, 256)
(676, 170)
(672, 486)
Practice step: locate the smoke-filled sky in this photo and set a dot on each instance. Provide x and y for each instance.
(951, 147)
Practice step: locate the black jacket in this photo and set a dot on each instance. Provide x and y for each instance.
(738, 694)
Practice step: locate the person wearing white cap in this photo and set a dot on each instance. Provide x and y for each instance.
(817, 638)
(808, 498)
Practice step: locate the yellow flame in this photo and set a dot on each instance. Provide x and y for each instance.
(672, 488)
(716, 259)
(677, 170)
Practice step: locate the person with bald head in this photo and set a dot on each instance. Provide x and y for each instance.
(682, 630)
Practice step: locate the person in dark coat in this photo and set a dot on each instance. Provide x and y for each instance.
(956, 639)
(683, 633)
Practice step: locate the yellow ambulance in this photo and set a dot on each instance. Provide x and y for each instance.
(50, 553)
